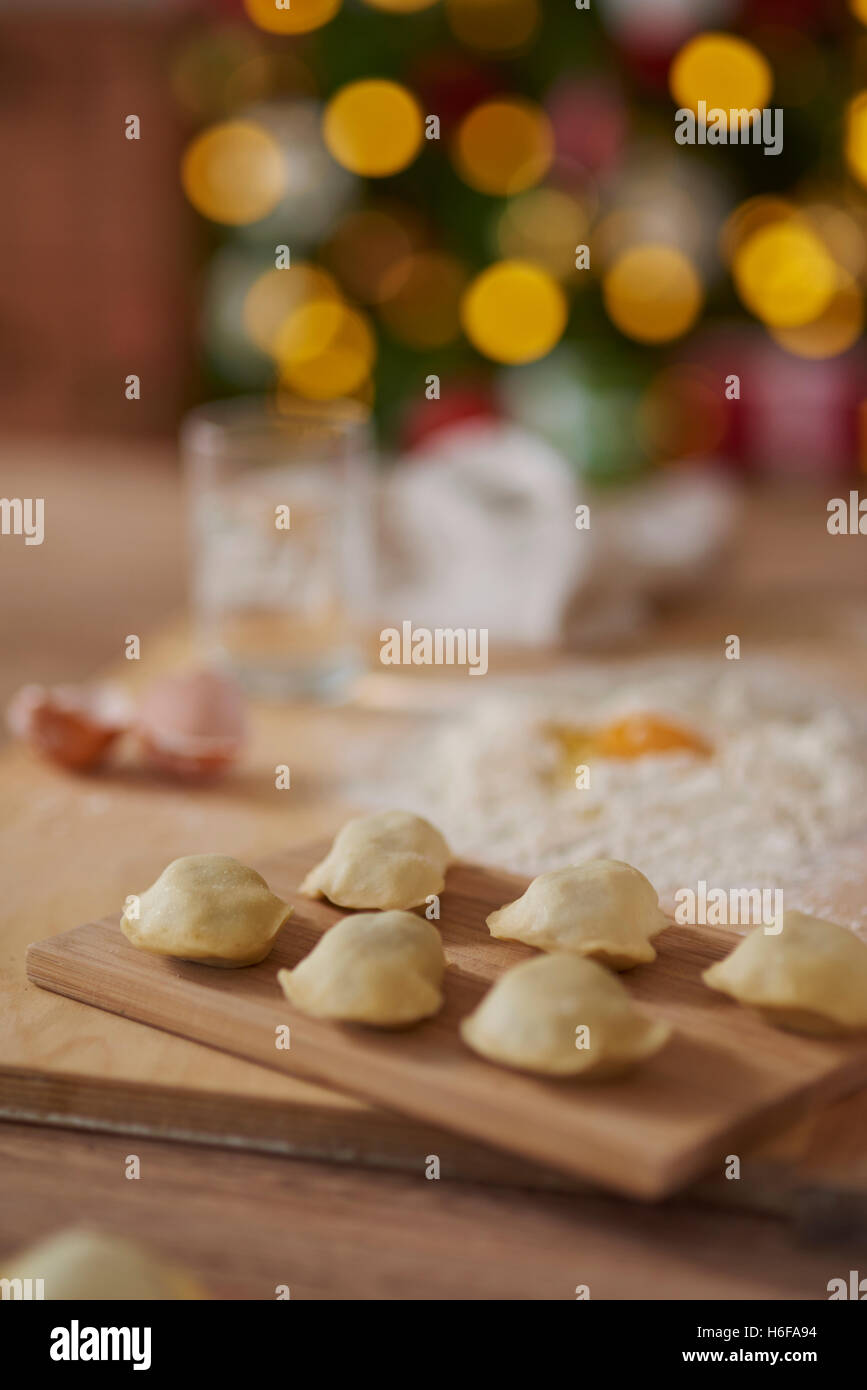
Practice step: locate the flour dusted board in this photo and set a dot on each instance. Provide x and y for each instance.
(725, 1078)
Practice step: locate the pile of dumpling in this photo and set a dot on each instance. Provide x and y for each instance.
(562, 1013)
(382, 967)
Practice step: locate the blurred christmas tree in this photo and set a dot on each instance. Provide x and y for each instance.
(482, 208)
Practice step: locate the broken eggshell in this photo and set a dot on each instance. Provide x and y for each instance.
(192, 725)
(72, 725)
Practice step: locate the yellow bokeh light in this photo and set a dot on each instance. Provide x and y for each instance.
(856, 137)
(653, 293)
(784, 274)
(299, 18)
(493, 26)
(514, 312)
(722, 71)
(373, 127)
(310, 330)
(276, 295)
(234, 173)
(365, 393)
(836, 329)
(421, 299)
(841, 234)
(859, 9)
(504, 146)
(749, 217)
(325, 350)
(545, 226)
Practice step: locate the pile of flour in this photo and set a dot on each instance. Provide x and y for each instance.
(785, 781)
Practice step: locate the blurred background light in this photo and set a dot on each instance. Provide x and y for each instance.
(658, 197)
(749, 217)
(234, 173)
(834, 331)
(493, 26)
(583, 406)
(590, 120)
(325, 349)
(514, 312)
(653, 293)
(544, 148)
(841, 233)
(316, 191)
(784, 274)
(662, 24)
(373, 127)
(550, 398)
(230, 353)
(721, 70)
(276, 295)
(504, 146)
(544, 225)
(420, 299)
(856, 137)
(367, 246)
(299, 18)
(670, 219)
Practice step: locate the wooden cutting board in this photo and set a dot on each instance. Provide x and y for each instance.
(725, 1079)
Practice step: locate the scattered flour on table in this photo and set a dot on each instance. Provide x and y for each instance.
(786, 780)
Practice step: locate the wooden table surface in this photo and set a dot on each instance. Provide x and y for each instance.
(112, 564)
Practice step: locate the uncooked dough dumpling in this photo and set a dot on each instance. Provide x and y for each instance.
(381, 968)
(560, 1015)
(602, 908)
(78, 1263)
(811, 977)
(391, 859)
(207, 908)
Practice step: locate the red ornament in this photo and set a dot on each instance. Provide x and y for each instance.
(425, 417)
(786, 416)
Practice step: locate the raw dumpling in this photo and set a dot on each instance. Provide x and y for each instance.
(531, 1017)
(382, 968)
(207, 908)
(391, 859)
(602, 908)
(82, 1264)
(811, 977)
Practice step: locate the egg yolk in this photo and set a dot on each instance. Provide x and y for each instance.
(639, 734)
(634, 736)
(575, 744)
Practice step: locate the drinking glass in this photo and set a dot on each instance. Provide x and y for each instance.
(280, 512)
